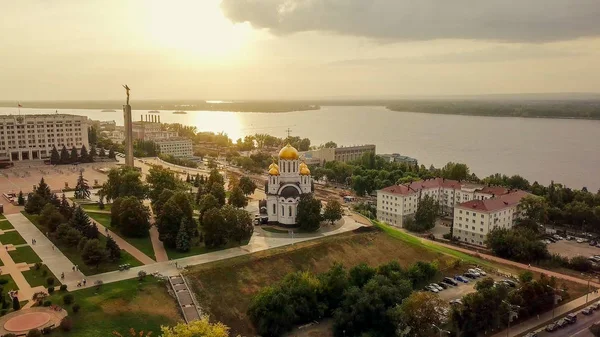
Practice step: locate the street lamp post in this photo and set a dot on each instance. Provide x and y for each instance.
(510, 312)
(441, 330)
(588, 287)
(554, 299)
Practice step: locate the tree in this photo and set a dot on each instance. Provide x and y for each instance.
(111, 154)
(361, 274)
(81, 222)
(50, 217)
(455, 171)
(238, 222)
(123, 182)
(427, 211)
(93, 253)
(82, 189)
(102, 153)
(207, 202)
(218, 191)
(333, 211)
(247, 185)
(65, 209)
(237, 198)
(534, 208)
(159, 179)
(308, 216)
(93, 153)
(334, 283)
(83, 154)
(169, 220)
(71, 237)
(43, 190)
(420, 311)
(198, 328)
(132, 217)
(519, 244)
(73, 157)
(113, 251)
(54, 156)
(214, 228)
(34, 204)
(64, 155)
(21, 199)
(183, 238)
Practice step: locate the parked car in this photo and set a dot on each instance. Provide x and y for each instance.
(436, 286)
(470, 275)
(532, 334)
(587, 311)
(557, 237)
(456, 301)
(448, 280)
(552, 327)
(551, 239)
(595, 306)
(474, 272)
(480, 271)
(562, 323)
(443, 285)
(461, 279)
(579, 241)
(592, 243)
(432, 289)
(511, 283)
(571, 318)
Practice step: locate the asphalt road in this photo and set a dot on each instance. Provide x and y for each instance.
(579, 329)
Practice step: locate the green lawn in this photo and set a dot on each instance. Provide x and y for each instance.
(5, 224)
(37, 278)
(143, 244)
(12, 237)
(2, 217)
(11, 285)
(75, 256)
(24, 254)
(405, 237)
(274, 230)
(199, 249)
(94, 207)
(120, 306)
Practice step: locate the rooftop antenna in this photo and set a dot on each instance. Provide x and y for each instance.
(288, 132)
(19, 107)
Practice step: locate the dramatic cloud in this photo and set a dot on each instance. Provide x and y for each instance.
(498, 20)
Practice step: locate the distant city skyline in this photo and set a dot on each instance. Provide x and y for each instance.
(293, 49)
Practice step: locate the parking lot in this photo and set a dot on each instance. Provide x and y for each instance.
(572, 248)
(457, 292)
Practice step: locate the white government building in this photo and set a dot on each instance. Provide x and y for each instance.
(176, 146)
(398, 202)
(287, 180)
(32, 137)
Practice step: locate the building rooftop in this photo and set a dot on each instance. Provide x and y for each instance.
(40, 115)
(172, 139)
(495, 204)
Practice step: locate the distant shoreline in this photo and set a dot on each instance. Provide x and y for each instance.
(503, 116)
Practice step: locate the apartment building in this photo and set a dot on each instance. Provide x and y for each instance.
(351, 153)
(177, 147)
(396, 203)
(474, 219)
(398, 158)
(32, 137)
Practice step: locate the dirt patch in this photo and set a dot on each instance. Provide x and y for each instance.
(572, 248)
(156, 303)
(225, 288)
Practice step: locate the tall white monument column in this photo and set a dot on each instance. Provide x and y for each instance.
(128, 131)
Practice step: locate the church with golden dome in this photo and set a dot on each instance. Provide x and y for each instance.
(288, 179)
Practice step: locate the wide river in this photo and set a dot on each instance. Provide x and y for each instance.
(566, 151)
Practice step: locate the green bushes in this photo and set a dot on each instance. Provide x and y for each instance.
(66, 324)
(362, 294)
(68, 299)
(63, 287)
(76, 308)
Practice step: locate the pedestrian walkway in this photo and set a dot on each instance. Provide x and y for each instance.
(185, 298)
(159, 249)
(546, 318)
(56, 261)
(15, 271)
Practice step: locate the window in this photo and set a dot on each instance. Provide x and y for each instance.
(282, 210)
(290, 210)
(274, 209)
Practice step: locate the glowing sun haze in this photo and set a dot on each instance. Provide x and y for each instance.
(278, 49)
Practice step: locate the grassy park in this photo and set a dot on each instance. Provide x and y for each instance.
(12, 237)
(75, 256)
(143, 244)
(38, 277)
(5, 224)
(24, 254)
(120, 306)
(95, 207)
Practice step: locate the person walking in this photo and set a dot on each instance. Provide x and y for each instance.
(73, 268)
(62, 275)
(84, 282)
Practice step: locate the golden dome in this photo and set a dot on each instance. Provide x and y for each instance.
(288, 153)
(273, 170)
(273, 165)
(304, 170)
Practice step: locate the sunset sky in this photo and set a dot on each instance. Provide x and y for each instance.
(295, 49)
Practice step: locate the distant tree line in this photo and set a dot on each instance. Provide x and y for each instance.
(82, 156)
(584, 109)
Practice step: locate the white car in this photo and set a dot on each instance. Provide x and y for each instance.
(433, 285)
(480, 271)
(432, 289)
(474, 272)
(579, 240)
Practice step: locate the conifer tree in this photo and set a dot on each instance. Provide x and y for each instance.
(83, 154)
(113, 250)
(64, 155)
(183, 238)
(74, 156)
(54, 156)
(82, 189)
